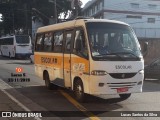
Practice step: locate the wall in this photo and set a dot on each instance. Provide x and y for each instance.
(121, 9)
(153, 51)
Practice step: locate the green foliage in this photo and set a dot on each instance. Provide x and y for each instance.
(17, 14)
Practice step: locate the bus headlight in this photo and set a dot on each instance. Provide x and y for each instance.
(98, 72)
(141, 72)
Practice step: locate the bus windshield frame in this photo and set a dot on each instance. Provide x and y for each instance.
(112, 41)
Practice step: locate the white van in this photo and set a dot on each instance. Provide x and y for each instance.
(16, 46)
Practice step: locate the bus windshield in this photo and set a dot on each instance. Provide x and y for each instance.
(111, 40)
(22, 39)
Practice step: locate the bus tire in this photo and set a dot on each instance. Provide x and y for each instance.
(125, 96)
(48, 84)
(30, 60)
(79, 91)
(10, 55)
(1, 53)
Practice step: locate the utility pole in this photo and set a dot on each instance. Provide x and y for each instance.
(12, 8)
(13, 24)
(55, 9)
(76, 7)
(26, 19)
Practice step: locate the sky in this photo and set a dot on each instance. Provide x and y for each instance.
(84, 2)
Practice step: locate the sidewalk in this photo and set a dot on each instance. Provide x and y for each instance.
(6, 104)
(13, 101)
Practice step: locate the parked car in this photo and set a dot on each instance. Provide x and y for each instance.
(152, 70)
(32, 58)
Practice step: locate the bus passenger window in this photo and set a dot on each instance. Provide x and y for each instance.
(80, 45)
(58, 40)
(48, 42)
(68, 42)
(39, 43)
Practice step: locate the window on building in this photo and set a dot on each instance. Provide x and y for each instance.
(93, 10)
(98, 6)
(134, 5)
(152, 6)
(151, 20)
(134, 16)
(86, 13)
(101, 5)
(90, 12)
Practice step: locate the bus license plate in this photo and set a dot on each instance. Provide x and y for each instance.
(120, 90)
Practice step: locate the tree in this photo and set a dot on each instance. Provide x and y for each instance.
(46, 13)
(14, 16)
(17, 14)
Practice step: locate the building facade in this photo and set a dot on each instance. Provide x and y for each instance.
(142, 15)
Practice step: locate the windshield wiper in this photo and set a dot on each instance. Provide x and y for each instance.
(109, 55)
(128, 53)
(118, 54)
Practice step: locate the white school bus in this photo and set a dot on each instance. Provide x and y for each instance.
(90, 56)
(16, 46)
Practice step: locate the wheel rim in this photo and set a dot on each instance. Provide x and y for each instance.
(79, 91)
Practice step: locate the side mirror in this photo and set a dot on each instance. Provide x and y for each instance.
(145, 49)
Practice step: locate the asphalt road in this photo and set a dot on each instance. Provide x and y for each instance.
(60, 104)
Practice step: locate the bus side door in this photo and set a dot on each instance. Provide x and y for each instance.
(67, 57)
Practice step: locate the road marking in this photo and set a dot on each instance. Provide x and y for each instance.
(79, 106)
(3, 86)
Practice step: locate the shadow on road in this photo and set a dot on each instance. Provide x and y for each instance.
(151, 86)
(94, 99)
(53, 100)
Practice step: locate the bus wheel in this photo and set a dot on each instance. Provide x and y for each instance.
(125, 96)
(10, 55)
(47, 81)
(79, 91)
(1, 53)
(48, 84)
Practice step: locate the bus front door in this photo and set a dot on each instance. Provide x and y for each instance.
(67, 59)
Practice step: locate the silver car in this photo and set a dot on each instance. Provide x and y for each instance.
(153, 70)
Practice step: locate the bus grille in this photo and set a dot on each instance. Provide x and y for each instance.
(122, 85)
(122, 75)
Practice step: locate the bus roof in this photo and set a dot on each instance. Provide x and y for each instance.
(72, 23)
(106, 20)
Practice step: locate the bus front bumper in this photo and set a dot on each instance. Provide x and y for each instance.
(109, 86)
(23, 55)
